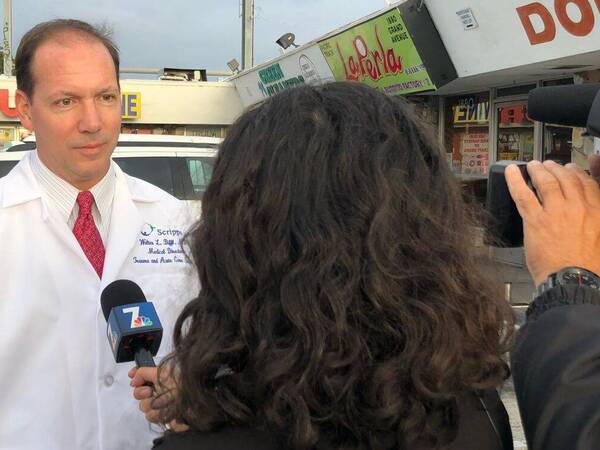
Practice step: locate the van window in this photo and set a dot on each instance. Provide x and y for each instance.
(200, 173)
(6, 166)
(154, 170)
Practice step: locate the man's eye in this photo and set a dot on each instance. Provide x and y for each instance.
(108, 98)
(65, 102)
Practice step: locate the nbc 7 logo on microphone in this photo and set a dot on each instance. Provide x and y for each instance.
(137, 321)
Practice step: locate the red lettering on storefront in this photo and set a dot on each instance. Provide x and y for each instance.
(537, 9)
(4, 108)
(373, 64)
(581, 28)
(514, 114)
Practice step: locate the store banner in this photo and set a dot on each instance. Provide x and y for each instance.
(469, 112)
(379, 53)
(300, 67)
(131, 105)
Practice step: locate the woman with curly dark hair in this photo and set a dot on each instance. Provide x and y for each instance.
(341, 304)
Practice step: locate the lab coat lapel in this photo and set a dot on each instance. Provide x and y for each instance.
(22, 187)
(125, 225)
(66, 236)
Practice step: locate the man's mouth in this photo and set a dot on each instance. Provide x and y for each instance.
(91, 146)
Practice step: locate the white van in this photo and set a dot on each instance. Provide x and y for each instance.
(180, 165)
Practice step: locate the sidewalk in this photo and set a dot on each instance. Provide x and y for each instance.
(510, 402)
(520, 293)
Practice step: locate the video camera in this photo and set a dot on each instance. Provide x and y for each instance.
(572, 105)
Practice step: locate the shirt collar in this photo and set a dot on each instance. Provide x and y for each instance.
(64, 195)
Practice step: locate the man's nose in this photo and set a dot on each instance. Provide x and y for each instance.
(89, 121)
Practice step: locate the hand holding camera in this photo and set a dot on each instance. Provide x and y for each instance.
(559, 206)
(562, 227)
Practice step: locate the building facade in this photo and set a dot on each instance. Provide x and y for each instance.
(498, 52)
(186, 108)
(467, 67)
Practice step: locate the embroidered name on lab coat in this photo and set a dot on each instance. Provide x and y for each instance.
(156, 245)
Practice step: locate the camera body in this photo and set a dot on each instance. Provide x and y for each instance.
(505, 226)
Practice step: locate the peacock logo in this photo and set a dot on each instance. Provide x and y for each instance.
(137, 320)
(141, 321)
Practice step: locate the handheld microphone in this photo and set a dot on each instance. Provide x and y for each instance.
(576, 105)
(133, 329)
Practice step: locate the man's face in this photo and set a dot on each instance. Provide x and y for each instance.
(75, 110)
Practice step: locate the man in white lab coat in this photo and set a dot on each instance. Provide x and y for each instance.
(72, 222)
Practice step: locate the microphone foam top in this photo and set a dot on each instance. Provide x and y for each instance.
(118, 293)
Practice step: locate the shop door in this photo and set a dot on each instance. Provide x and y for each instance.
(515, 135)
(514, 140)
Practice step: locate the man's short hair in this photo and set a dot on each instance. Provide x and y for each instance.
(45, 31)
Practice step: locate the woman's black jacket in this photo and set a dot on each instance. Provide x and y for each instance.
(483, 425)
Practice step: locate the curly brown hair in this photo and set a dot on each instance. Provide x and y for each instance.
(340, 295)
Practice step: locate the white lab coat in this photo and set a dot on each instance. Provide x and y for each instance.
(60, 387)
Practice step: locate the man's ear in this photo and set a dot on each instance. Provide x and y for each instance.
(23, 105)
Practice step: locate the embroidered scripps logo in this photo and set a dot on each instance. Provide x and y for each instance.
(147, 229)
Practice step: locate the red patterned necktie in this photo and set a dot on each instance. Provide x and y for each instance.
(87, 234)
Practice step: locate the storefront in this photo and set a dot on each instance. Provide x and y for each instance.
(150, 107)
(466, 122)
(500, 54)
(510, 50)
(493, 125)
(467, 67)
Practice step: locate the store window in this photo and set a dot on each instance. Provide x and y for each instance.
(7, 135)
(218, 131)
(558, 143)
(557, 140)
(139, 128)
(467, 134)
(515, 132)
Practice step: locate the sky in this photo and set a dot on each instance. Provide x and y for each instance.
(199, 34)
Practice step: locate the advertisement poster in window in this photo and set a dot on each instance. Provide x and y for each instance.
(475, 156)
(6, 136)
(515, 145)
(379, 53)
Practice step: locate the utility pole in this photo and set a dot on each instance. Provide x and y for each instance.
(6, 44)
(247, 34)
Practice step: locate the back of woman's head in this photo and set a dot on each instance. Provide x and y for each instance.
(338, 285)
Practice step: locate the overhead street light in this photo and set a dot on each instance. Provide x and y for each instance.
(234, 65)
(286, 41)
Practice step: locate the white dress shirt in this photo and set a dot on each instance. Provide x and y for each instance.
(61, 196)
